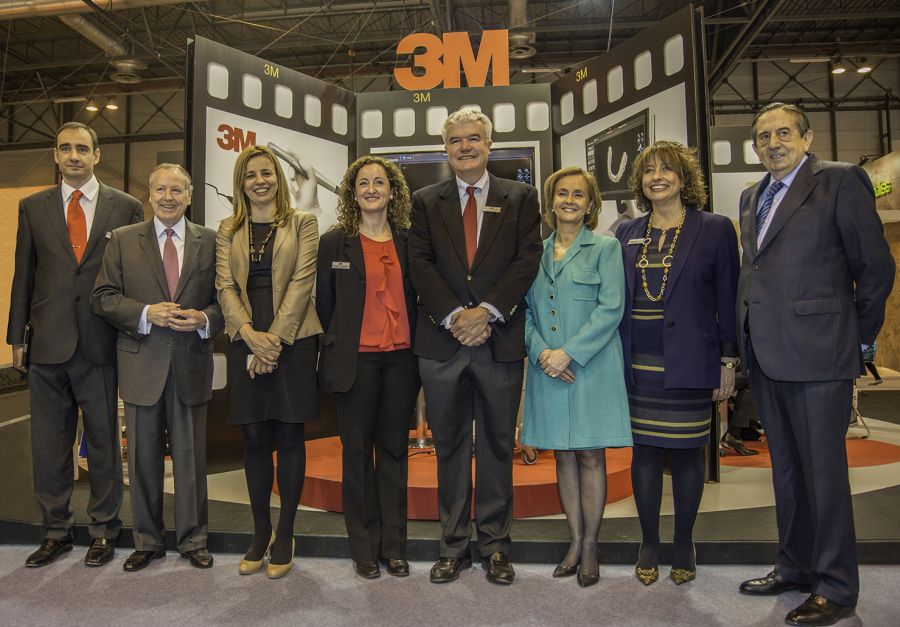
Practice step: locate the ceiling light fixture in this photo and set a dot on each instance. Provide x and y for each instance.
(111, 104)
(838, 69)
(864, 68)
(92, 105)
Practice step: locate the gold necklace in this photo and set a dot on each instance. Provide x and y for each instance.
(666, 260)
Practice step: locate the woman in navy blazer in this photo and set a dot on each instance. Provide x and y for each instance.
(679, 340)
(367, 306)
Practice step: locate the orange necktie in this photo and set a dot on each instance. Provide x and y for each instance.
(77, 225)
(470, 225)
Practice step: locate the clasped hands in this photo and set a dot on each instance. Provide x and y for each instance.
(555, 363)
(266, 347)
(471, 327)
(172, 316)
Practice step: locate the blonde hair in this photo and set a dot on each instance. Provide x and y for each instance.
(684, 163)
(592, 215)
(399, 205)
(241, 203)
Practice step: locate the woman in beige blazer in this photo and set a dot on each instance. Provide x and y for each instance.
(265, 275)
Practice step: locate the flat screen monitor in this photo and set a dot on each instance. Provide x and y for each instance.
(611, 152)
(426, 167)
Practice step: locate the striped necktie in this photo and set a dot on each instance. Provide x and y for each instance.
(766, 206)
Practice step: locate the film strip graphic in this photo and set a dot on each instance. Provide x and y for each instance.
(410, 122)
(731, 150)
(657, 59)
(243, 100)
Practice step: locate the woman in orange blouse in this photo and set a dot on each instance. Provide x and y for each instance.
(367, 306)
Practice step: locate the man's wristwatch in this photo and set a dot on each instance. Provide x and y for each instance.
(731, 365)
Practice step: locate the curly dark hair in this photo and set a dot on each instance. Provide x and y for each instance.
(682, 160)
(399, 206)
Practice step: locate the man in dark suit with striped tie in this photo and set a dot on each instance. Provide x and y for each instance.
(60, 241)
(815, 275)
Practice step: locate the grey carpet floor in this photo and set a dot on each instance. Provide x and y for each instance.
(324, 592)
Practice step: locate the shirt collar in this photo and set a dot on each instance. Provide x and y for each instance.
(160, 228)
(790, 177)
(88, 190)
(462, 186)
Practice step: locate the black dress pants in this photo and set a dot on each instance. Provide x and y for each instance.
(375, 414)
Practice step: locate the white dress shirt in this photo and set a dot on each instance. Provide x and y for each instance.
(178, 229)
(482, 187)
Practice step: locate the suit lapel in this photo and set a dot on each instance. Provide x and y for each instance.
(400, 245)
(243, 269)
(191, 253)
(796, 195)
(353, 250)
(53, 205)
(490, 222)
(631, 254)
(451, 213)
(581, 240)
(748, 218)
(547, 255)
(686, 239)
(104, 207)
(150, 247)
(280, 236)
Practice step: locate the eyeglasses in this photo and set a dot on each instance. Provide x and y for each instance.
(783, 135)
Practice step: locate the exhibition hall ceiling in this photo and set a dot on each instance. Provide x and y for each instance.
(57, 48)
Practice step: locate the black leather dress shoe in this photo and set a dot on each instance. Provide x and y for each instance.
(141, 559)
(49, 550)
(733, 444)
(101, 551)
(368, 570)
(564, 571)
(199, 558)
(498, 568)
(770, 585)
(817, 610)
(447, 569)
(397, 567)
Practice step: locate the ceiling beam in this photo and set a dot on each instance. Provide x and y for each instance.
(725, 64)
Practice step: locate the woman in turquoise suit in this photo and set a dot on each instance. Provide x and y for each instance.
(575, 397)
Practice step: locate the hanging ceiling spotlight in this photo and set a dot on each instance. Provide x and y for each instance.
(111, 104)
(863, 68)
(838, 69)
(92, 106)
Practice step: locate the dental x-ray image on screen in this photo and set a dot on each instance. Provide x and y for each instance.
(611, 152)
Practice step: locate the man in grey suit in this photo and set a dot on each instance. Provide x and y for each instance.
(815, 276)
(157, 287)
(70, 363)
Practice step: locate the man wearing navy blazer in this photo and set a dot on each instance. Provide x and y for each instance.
(71, 355)
(815, 275)
(474, 250)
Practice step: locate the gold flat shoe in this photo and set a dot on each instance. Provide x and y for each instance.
(647, 576)
(248, 567)
(683, 575)
(277, 571)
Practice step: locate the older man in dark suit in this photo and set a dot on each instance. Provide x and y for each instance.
(157, 286)
(815, 276)
(71, 354)
(474, 251)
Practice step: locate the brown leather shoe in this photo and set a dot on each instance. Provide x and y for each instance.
(48, 552)
(817, 610)
(100, 552)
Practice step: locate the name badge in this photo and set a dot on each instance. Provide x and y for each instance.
(340, 265)
(636, 241)
(490, 209)
(108, 234)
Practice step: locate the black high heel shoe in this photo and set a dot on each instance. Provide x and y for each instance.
(564, 571)
(586, 581)
(648, 575)
(684, 575)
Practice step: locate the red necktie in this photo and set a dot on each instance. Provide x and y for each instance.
(470, 225)
(77, 225)
(170, 263)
